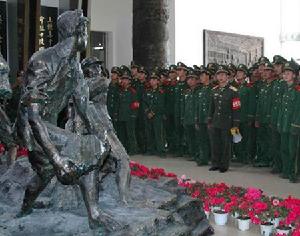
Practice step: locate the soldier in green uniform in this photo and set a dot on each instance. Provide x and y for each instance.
(134, 74)
(278, 86)
(113, 96)
(140, 121)
(154, 111)
(263, 117)
(178, 101)
(189, 113)
(288, 109)
(202, 100)
(169, 108)
(128, 109)
(223, 116)
(242, 149)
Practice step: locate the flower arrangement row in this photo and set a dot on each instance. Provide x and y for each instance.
(244, 203)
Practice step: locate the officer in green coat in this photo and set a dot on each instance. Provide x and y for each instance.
(288, 111)
(140, 87)
(169, 90)
(242, 149)
(189, 113)
(113, 96)
(128, 110)
(154, 111)
(202, 100)
(278, 87)
(178, 112)
(223, 118)
(263, 117)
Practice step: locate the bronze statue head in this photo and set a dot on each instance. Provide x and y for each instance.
(73, 24)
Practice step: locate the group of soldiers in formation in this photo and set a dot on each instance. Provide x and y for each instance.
(195, 112)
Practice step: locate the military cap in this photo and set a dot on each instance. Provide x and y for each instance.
(142, 69)
(205, 70)
(212, 67)
(133, 65)
(181, 65)
(289, 65)
(172, 68)
(125, 72)
(116, 70)
(86, 62)
(154, 75)
(277, 59)
(242, 67)
(164, 72)
(263, 60)
(269, 66)
(222, 69)
(191, 73)
(231, 67)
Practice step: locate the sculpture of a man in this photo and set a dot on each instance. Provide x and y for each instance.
(52, 79)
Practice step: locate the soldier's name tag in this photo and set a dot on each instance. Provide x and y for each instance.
(236, 104)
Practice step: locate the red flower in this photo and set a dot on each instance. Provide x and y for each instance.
(260, 207)
(275, 202)
(253, 194)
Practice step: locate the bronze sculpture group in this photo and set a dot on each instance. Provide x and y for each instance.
(88, 148)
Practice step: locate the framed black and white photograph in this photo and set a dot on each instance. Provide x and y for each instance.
(224, 48)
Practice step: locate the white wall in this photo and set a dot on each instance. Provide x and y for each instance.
(251, 17)
(114, 16)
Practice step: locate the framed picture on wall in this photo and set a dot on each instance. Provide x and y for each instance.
(224, 48)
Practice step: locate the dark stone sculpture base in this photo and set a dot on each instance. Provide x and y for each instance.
(156, 207)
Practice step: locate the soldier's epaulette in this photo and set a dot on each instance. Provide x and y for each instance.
(215, 87)
(249, 85)
(233, 88)
(132, 90)
(297, 87)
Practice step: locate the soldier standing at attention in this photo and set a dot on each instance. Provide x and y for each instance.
(128, 109)
(134, 74)
(189, 113)
(242, 150)
(140, 121)
(113, 96)
(202, 100)
(263, 117)
(154, 112)
(288, 124)
(224, 116)
(169, 106)
(178, 101)
(278, 87)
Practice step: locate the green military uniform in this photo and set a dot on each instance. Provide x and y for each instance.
(140, 121)
(178, 101)
(263, 117)
(223, 115)
(113, 99)
(278, 87)
(154, 112)
(169, 108)
(242, 150)
(188, 115)
(287, 118)
(202, 100)
(127, 113)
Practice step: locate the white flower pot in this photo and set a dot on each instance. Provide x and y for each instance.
(220, 218)
(207, 214)
(283, 231)
(244, 224)
(276, 221)
(266, 230)
(215, 208)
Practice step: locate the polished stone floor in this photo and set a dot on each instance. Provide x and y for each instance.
(238, 175)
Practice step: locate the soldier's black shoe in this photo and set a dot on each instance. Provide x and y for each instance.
(214, 168)
(223, 170)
